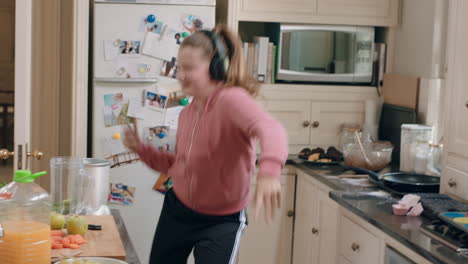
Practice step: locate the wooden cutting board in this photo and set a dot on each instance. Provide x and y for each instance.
(401, 90)
(103, 243)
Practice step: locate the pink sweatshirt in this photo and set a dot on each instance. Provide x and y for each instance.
(214, 157)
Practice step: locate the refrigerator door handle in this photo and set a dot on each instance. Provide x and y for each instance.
(124, 80)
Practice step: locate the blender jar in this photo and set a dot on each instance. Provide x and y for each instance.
(67, 184)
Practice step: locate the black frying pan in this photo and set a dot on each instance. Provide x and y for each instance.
(403, 182)
(411, 182)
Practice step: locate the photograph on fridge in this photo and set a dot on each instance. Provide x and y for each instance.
(169, 68)
(121, 194)
(130, 47)
(174, 99)
(155, 101)
(191, 23)
(115, 110)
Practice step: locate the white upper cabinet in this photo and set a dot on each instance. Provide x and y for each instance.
(345, 12)
(279, 6)
(328, 117)
(294, 116)
(372, 8)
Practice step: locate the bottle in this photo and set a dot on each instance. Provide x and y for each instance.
(24, 221)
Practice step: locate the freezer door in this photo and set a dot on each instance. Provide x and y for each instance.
(171, 2)
(119, 34)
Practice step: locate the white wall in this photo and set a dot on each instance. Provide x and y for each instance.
(421, 38)
(420, 47)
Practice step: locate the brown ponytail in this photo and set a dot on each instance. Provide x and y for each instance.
(236, 73)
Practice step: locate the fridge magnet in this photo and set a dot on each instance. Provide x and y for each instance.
(155, 101)
(169, 68)
(122, 159)
(115, 110)
(191, 23)
(150, 24)
(129, 47)
(121, 194)
(138, 70)
(163, 183)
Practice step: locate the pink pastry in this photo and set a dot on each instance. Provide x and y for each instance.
(399, 209)
(409, 200)
(416, 210)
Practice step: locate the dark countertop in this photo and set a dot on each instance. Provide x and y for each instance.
(375, 206)
(132, 257)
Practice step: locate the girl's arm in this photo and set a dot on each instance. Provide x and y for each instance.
(256, 122)
(156, 160)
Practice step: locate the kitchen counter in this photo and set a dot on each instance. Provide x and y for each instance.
(132, 257)
(375, 206)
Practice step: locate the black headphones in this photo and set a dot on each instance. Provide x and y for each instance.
(220, 62)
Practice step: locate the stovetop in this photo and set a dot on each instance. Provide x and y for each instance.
(443, 231)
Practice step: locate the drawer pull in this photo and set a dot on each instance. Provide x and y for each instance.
(355, 246)
(305, 124)
(316, 124)
(452, 183)
(290, 213)
(314, 231)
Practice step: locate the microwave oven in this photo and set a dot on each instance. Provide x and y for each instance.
(325, 53)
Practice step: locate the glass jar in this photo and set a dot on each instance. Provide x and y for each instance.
(419, 153)
(411, 135)
(67, 184)
(434, 159)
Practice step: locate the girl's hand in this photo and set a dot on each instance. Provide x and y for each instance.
(131, 139)
(268, 194)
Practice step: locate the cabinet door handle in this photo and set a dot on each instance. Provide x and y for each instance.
(452, 183)
(355, 246)
(290, 213)
(314, 230)
(316, 124)
(305, 124)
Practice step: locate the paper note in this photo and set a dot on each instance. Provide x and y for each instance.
(172, 116)
(160, 46)
(135, 108)
(111, 51)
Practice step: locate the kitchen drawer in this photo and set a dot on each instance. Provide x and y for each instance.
(454, 181)
(356, 244)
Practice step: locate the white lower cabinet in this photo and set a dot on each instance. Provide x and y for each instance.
(315, 223)
(356, 244)
(272, 243)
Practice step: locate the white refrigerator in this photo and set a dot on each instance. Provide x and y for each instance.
(127, 64)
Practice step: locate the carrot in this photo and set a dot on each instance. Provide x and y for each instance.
(66, 242)
(57, 233)
(57, 246)
(74, 246)
(56, 239)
